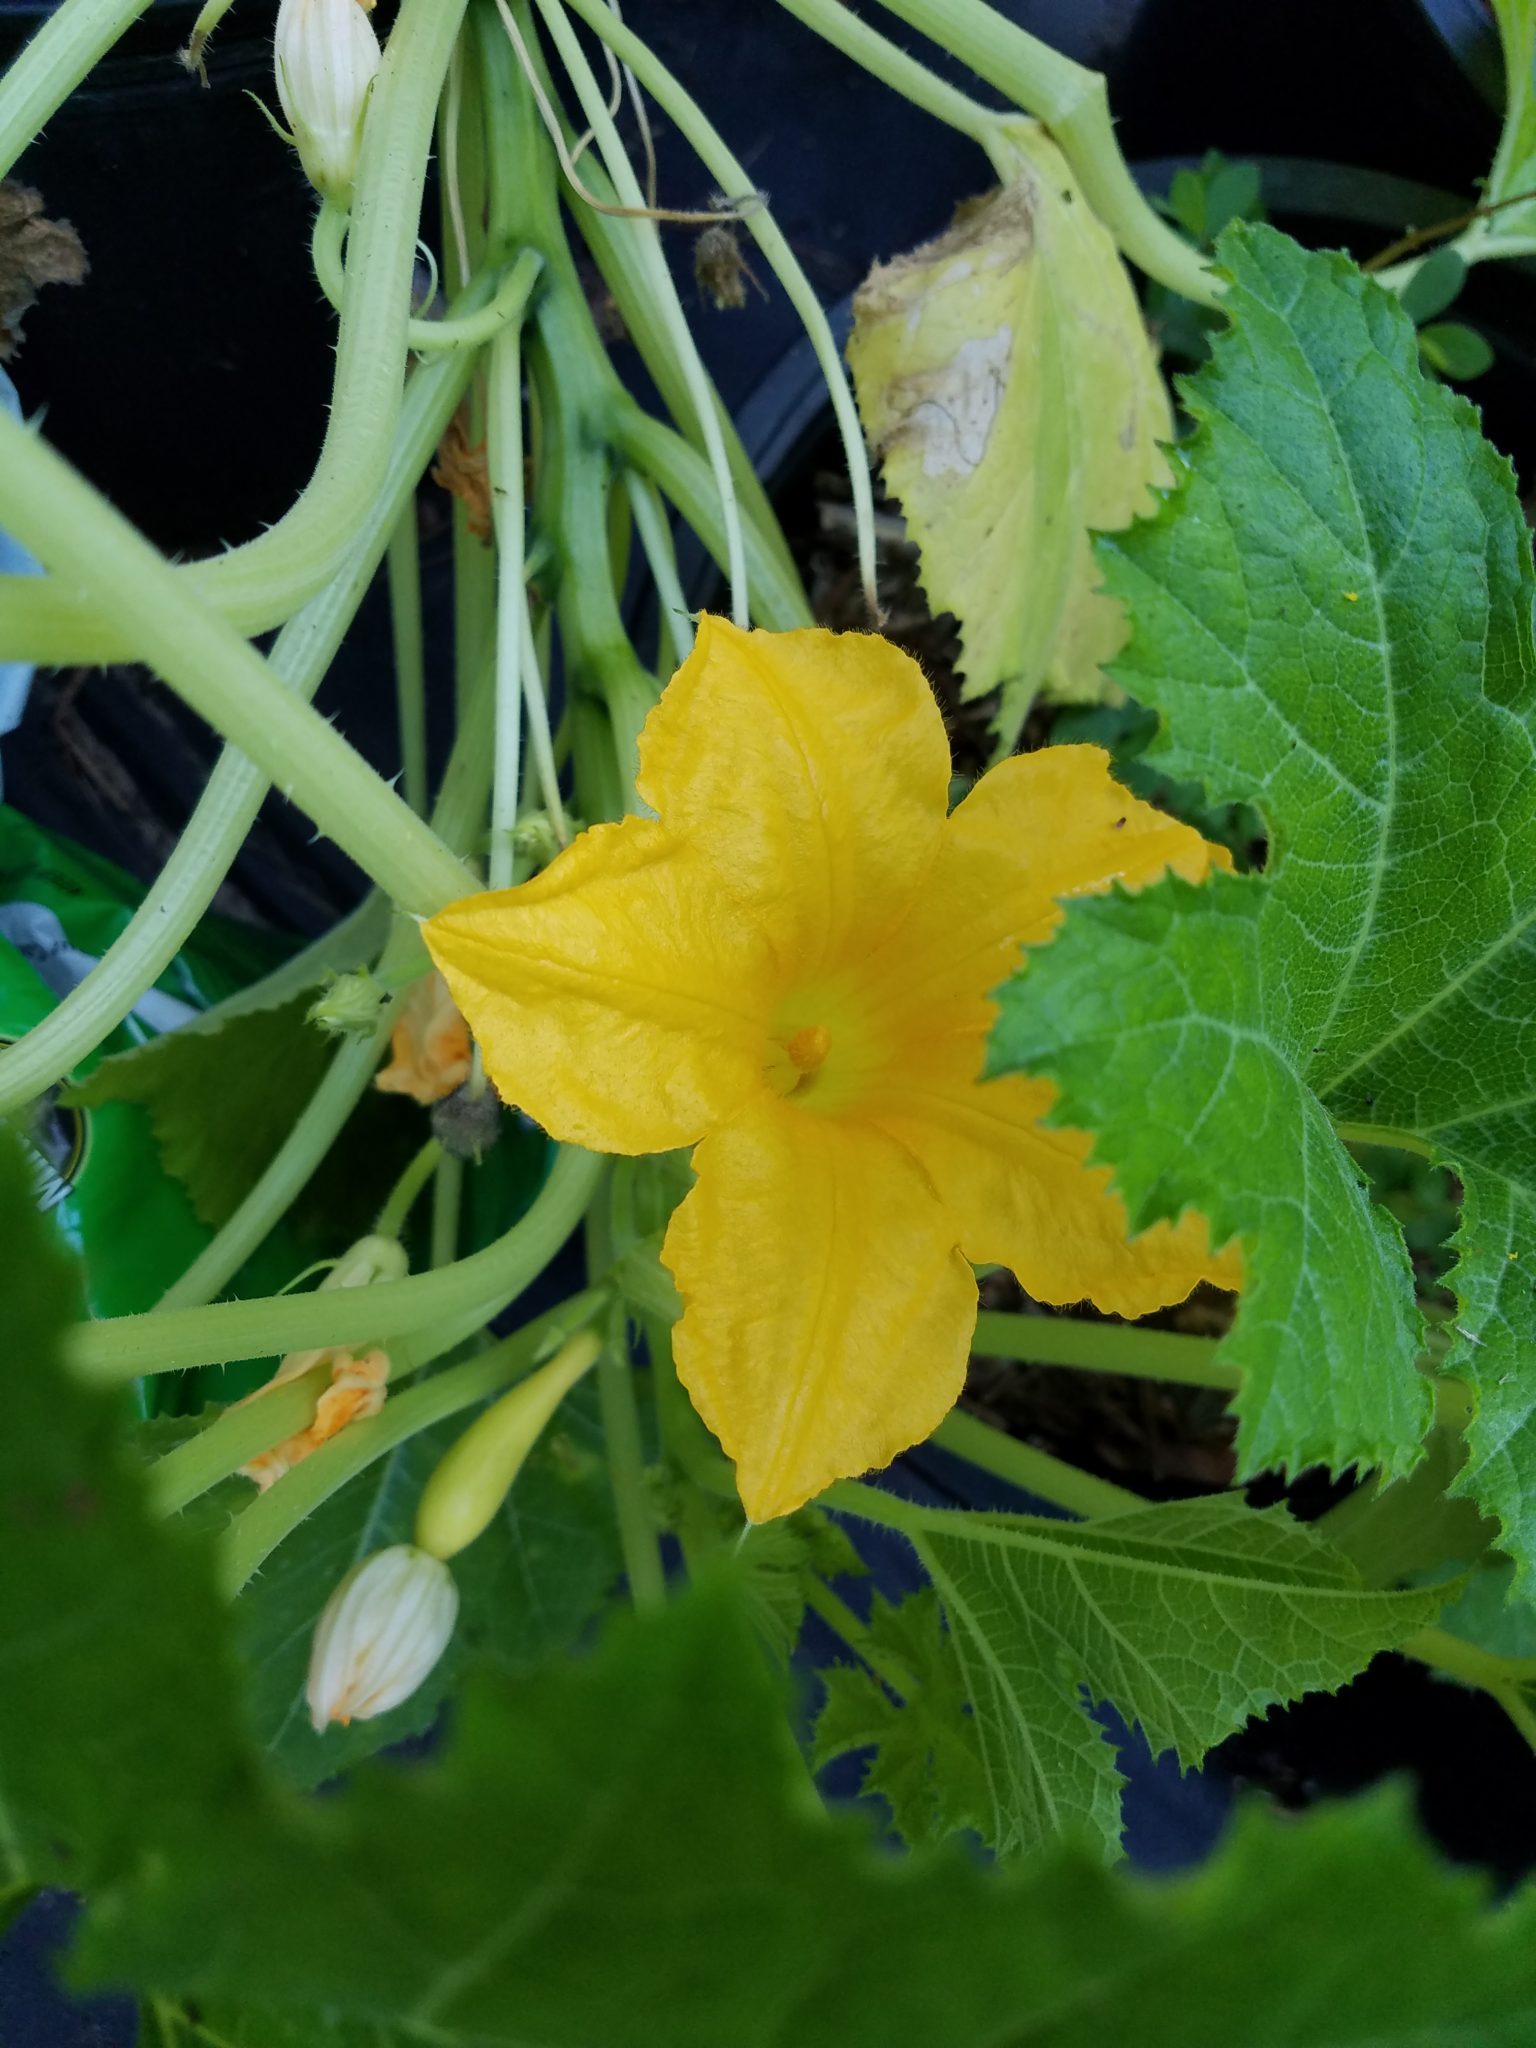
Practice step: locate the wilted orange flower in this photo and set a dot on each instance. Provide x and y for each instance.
(789, 966)
(357, 1389)
(429, 1047)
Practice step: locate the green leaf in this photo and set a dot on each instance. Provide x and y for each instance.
(1433, 286)
(927, 1765)
(1513, 176)
(623, 1835)
(116, 1678)
(1332, 613)
(221, 1097)
(1189, 1617)
(1454, 350)
(1005, 375)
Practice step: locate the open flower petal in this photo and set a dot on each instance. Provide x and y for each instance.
(1036, 829)
(813, 770)
(828, 1315)
(1020, 1196)
(621, 998)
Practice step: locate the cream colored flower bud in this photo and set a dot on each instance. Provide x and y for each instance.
(382, 1631)
(326, 54)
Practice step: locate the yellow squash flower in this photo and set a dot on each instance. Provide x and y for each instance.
(789, 968)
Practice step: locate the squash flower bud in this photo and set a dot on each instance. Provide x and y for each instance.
(326, 54)
(475, 1474)
(381, 1632)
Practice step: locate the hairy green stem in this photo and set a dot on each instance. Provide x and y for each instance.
(1036, 1472)
(404, 567)
(71, 617)
(68, 525)
(71, 41)
(120, 1348)
(236, 789)
(402, 1196)
(1104, 1347)
(233, 1439)
(674, 622)
(504, 456)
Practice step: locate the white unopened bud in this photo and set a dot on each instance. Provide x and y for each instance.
(326, 55)
(382, 1631)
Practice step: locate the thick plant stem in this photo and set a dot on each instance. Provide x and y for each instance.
(120, 1348)
(1104, 1347)
(231, 1440)
(69, 526)
(1074, 105)
(895, 67)
(70, 42)
(1032, 1471)
(404, 568)
(732, 179)
(237, 788)
(257, 1532)
(71, 618)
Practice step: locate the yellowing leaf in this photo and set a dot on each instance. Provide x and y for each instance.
(1007, 380)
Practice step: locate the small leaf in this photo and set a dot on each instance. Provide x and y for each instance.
(1006, 377)
(1454, 350)
(1232, 193)
(927, 1765)
(1433, 286)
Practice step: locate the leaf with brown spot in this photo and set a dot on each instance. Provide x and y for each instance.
(34, 251)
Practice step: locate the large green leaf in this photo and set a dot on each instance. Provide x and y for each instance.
(1188, 1617)
(1332, 613)
(618, 1850)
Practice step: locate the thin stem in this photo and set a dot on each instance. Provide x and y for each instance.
(540, 741)
(1074, 105)
(69, 526)
(120, 1348)
(236, 789)
(1395, 1140)
(895, 67)
(626, 1474)
(402, 1197)
(423, 337)
(404, 561)
(676, 622)
(274, 1515)
(1442, 1651)
(447, 1201)
(731, 177)
(664, 295)
(257, 585)
(1063, 1485)
(662, 454)
(1104, 1347)
(505, 457)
